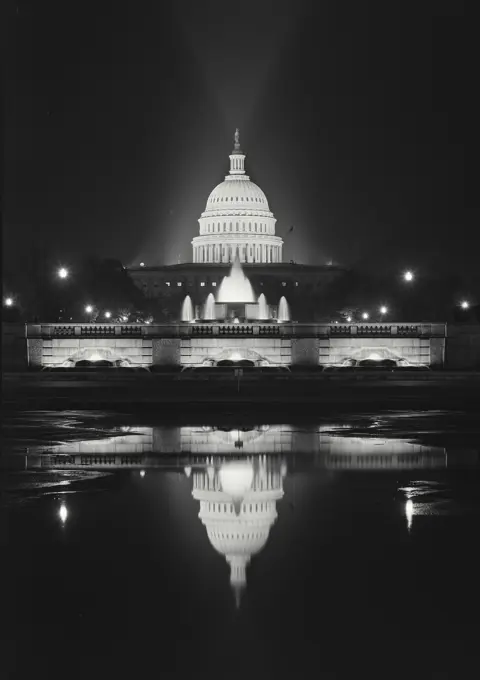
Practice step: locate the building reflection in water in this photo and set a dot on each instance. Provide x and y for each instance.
(237, 501)
(146, 447)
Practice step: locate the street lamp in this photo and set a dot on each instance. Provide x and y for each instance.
(89, 309)
(408, 275)
(62, 273)
(383, 309)
(348, 319)
(465, 304)
(108, 315)
(365, 315)
(8, 302)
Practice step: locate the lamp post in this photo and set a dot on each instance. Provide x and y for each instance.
(63, 273)
(8, 302)
(408, 276)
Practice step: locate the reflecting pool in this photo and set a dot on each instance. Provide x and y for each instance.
(240, 549)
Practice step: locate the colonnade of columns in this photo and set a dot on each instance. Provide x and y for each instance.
(248, 253)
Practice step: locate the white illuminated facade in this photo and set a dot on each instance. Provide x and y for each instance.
(237, 219)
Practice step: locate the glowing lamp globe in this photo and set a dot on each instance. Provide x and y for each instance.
(89, 309)
(408, 276)
(108, 315)
(8, 302)
(365, 315)
(63, 273)
(464, 304)
(383, 309)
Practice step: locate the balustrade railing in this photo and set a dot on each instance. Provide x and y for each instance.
(408, 330)
(202, 330)
(256, 328)
(97, 330)
(63, 331)
(374, 330)
(340, 330)
(235, 330)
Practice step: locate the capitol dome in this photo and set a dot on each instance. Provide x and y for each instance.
(244, 194)
(237, 218)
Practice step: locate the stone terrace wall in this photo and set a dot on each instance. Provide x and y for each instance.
(191, 344)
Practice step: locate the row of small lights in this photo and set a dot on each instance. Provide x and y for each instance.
(63, 273)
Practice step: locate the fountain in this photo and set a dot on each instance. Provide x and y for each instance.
(263, 311)
(187, 309)
(283, 310)
(209, 308)
(236, 287)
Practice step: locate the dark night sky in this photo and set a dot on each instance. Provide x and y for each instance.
(120, 117)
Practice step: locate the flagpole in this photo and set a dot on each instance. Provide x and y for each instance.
(292, 259)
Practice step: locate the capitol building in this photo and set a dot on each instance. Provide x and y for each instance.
(237, 222)
(237, 218)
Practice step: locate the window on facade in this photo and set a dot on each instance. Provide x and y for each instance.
(167, 283)
(284, 284)
(296, 283)
(214, 283)
(179, 283)
(202, 283)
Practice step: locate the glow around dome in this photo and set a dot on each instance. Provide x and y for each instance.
(237, 218)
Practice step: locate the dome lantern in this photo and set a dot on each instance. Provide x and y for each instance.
(237, 157)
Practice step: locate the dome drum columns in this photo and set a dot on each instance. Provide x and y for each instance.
(225, 253)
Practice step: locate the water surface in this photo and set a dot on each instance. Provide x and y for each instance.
(240, 550)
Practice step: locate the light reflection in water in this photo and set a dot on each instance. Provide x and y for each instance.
(63, 513)
(409, 512)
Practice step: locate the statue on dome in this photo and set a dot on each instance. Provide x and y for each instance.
(237, 138)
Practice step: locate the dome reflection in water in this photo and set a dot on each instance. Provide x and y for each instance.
(238, 509)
